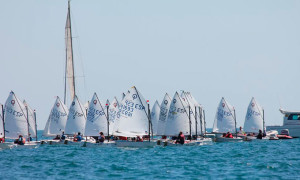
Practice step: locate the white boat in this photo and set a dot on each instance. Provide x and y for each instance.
(291, 121)
(164, 109)
(224, 139)
(94, 144)
(97, 120)
(254, 120)
(132, 119)
(57, 119)
(155, 116)
(16, 122)
(225, 121)
(31, 116)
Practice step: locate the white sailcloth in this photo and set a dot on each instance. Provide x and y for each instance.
(132, 117)
(1, 124)
(254, 117)
(31, 119)
(164, 109)
(177, 119)
(112, 112)
(155, 116)
(190, 108)
(96, 118)
(15, 117)
(76, 118)
(69, 55)
(224, 119)
(57, 119)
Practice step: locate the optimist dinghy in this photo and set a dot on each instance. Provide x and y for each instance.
(225, 121)
(133, 120)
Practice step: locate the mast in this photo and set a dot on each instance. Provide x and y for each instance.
(196, 123)
(204, 122)
(27, 123)
(201, 123)
(235, 123)
(107, 107)
(190, 122)
(263, 121)
(69, 40)
(149, 121)
(2, 112)
(36, 137)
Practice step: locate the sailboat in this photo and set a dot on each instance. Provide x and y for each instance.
(16, 122)
(225, 121)
(57, 119)
(31, 116)
(97, 121)
(254, 120)
(57, 128)
(133, 120)
(164, 109)
(155, 116)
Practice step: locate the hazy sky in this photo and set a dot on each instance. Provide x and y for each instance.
(233, 49)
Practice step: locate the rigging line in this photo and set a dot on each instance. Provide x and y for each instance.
(101, 106)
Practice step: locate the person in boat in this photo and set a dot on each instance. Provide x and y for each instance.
(224, 135)
(101, 138)
(29, 138)
(139, 139)
(2, 140)
(57, 137)
(260, 135)
(229, 135)
(78, 138)
(63, 137)
(180, 138)
(20, 140)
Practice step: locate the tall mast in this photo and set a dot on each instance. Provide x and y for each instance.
(2, 112)
(69, 56)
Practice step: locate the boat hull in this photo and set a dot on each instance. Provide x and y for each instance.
(144, 144)
(223, 139)
(294, 130)
(96, 145)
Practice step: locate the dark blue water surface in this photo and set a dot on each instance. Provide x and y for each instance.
(246, 160)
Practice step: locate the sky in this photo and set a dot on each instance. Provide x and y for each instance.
(234, 49)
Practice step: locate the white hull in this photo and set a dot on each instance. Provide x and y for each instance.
(144, 144)
(223, 139)
(95, 145)
(199, 142)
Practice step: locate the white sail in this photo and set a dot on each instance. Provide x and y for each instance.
(177, 119)
(254, 117)
(224, 119)
(1, 123)
(190, 108)
(164, 109)
(112, 112)
(132, 117)
(57, 119)
(31, 119)
(15, 117)
(69, 55)
(76, 118)
(96, 118)
(155, 116)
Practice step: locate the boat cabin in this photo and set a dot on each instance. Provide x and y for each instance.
(291, 117)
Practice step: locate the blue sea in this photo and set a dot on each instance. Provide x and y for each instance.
(247, 160)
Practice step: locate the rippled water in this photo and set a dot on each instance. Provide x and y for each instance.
(260, 159)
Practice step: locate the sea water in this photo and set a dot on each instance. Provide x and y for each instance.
(246, 160)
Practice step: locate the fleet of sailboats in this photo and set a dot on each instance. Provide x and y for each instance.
(128, 123)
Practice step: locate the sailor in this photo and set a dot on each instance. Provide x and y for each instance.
(20, 140)
(139, 139)
(57, 137)
(29, 138)
(2, 140)
(180, 138)
(229, 135)
(260, 135)
(101, 137)
(78, 138)
(63, 137)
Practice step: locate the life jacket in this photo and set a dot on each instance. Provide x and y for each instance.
(2, 140)
(122, 138)
(230, 135)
